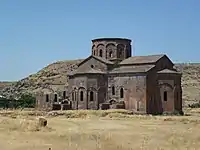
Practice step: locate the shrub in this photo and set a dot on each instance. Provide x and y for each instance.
(195, 105)
(25, 101)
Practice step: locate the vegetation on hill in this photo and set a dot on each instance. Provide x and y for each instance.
(25, 101)
(5, 84)
(54, 78)
(51, 78)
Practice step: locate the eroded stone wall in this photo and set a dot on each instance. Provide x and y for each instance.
(134, 90)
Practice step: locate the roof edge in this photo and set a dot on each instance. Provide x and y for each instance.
(168, 71)
(111, 39)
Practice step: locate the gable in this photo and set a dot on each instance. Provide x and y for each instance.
(103, 60)
(164, 63)
(91, 65)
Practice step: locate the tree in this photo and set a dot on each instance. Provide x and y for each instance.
(26, 101)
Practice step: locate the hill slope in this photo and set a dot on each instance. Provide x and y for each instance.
(54, 77)
(5, 84)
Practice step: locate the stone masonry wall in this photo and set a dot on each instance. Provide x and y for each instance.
(93, 63)
(110, 48)
(134, 89)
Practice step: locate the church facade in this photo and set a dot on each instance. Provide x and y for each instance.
(112, 78)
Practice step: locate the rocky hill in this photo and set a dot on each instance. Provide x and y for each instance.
(54, 77)
(5, 84)
(51, 78)
(190, 82)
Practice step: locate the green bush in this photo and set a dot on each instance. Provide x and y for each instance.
(26, 101)
(194, 105)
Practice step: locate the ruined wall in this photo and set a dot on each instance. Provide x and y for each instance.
(170, 83)
(42, 103)
(102, 89)
(77, 86)
(134, 90)
(93, 87)
(154, 103)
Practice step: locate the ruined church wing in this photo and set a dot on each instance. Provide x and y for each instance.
(128, 84)
(88, 84)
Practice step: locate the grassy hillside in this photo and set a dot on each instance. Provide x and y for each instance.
(54, 78)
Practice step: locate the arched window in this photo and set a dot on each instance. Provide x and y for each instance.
(165, 95)
(113, 90)
(100, 53)
(110, 54)
(121, 93)
(55, 97)
(81, 96)
(91, 96)
(120, 50)
(64, 94)
(120, 53)
(94, 52)
(47, 98)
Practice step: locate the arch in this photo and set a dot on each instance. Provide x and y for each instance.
(91, 96)
(167, 85)
(100, 48)
(74, 88)
(113, 90)
(101, 53)
(81, 92)
(110, 54)
(112, 101)
(82, 88)
(110, 47)
(121, 93)
(92, 89)
(120, 50)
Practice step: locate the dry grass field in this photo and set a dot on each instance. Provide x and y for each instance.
(99, 130)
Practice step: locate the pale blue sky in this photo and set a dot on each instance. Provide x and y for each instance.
(35, 33)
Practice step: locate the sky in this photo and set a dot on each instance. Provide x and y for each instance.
(35, 33)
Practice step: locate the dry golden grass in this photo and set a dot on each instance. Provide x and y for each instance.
(99, 130)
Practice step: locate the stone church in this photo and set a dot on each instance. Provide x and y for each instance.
(112, 78)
